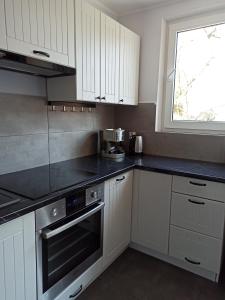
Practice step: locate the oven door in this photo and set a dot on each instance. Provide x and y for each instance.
(68, 248)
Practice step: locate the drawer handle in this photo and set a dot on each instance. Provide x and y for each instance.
(77, 292)
(120, 179)
(196, 202)
(197, 183)
(41, 53)
(192, 261)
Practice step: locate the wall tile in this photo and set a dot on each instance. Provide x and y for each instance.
(70, 121)
(68, 145)
(22, 115)
(142, 120)
(23, 152)
(104, 117)
(141, 117)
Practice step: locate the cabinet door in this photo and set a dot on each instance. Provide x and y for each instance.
(129, 66)
(17, 259)
(87, 51)
(3, 43)
(110, 40)
(151, 210)
(118, 198)
(41, 29)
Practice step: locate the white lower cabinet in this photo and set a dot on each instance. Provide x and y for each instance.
(174, 219)
(195, 249)
(117, 219)
(18, 259)
(151, 210)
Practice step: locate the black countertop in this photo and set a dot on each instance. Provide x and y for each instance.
(41, 186)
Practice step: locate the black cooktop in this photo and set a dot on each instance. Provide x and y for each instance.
(39, 182)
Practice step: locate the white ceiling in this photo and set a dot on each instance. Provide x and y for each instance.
(123, 7)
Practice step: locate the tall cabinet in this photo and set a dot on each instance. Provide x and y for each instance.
(40, 29)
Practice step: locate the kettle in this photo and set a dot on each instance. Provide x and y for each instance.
(138, 144)
(135, 144)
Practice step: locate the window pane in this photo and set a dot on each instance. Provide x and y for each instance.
(199, 93)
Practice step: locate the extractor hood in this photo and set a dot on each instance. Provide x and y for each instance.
(32, 66)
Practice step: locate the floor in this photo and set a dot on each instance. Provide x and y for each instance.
(136, 276)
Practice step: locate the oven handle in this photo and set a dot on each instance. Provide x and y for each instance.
(47, 234)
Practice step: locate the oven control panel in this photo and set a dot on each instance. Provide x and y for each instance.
(95, 193)
(50, 213)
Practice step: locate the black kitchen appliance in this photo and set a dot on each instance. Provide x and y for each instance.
(69, 239)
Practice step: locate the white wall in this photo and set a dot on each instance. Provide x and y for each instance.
(148, 25)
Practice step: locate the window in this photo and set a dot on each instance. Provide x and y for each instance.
(194, 76)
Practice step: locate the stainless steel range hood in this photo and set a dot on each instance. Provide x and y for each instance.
(32, 66)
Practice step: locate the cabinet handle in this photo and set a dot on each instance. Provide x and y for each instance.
(196, 202)
(120, 179)
(77, 292)
(103, 98)
(197, 183)
(121, 100)
(192, 261)
(98, 98)
(41, 53)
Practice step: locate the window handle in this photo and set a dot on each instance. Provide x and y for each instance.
(171, 75)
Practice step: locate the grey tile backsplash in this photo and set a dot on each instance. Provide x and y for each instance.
(197, 147)
(32, 136)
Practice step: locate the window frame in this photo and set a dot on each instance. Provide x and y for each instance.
(164, 121)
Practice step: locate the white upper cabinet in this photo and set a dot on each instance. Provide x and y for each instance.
(87, 51)
(110, 51)
(129, 66)
(42, 29)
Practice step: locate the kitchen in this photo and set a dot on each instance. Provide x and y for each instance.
(87, 212)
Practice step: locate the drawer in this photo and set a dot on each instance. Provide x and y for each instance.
(198, 214)
(82, 282)
(196, 249)
(199, 188)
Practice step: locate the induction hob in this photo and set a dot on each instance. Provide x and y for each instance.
(42, 181)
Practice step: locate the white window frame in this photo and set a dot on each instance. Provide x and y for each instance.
(164, 121)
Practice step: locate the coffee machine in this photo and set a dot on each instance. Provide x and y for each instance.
(111, 143)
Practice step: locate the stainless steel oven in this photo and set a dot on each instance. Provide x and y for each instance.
(69, 236)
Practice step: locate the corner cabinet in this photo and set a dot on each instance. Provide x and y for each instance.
(151, 210)
(117, 218)
(18, 259)
(40, 29)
